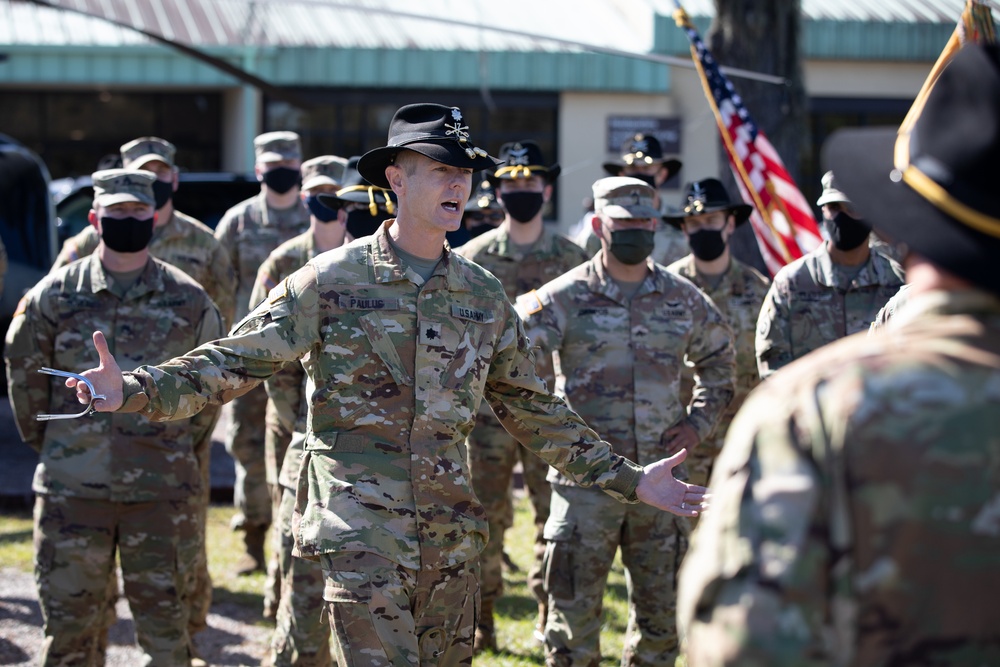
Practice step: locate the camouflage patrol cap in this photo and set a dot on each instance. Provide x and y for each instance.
(624, 197)
(323, 170)
(277, 146)
(831, 192)
(115, 186)
(140, 151)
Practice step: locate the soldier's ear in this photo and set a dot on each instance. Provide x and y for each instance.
(93, 220)
(595, 224)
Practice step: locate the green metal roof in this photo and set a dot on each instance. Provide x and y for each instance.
(409, 68)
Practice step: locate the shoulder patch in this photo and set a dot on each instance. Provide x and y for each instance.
(530, 303)
(22, 306)
(279, 293)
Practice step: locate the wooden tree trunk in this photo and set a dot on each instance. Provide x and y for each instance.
(763, 36)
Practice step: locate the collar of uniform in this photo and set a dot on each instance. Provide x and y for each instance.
(939, 302)
(826, 274)
(504, 247)
(151, 280)
(387, 267)
(600, 281)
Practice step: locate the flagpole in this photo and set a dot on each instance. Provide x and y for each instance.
(976, 14)
(683, 21)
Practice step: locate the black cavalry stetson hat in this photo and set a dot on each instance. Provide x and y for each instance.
(357, 190)
(524, 159)
(641, 148)
(935, 188)
(433, 130)
(708, 196)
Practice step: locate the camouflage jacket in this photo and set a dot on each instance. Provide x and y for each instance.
(888, 311)
(738, 297)
(552, 256)
(286, 409)
(249, 232)
(811, 304)
(397, 368)
(619, 362)
(182, 242)
(124, 458)
(669, 244)
(855, 514)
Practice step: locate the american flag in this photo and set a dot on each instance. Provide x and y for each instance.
(782, 219)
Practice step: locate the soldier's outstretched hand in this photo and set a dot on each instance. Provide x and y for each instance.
(659, 488)
(106, 378)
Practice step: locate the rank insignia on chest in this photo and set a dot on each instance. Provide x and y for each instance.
(430, 333)
(368, 303)
(472, 314)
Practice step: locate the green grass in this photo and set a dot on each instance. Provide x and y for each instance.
(515, 612)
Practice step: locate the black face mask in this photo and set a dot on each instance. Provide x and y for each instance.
(631, 246)
(163, 191)
(282, 179)
(361, 223)
(846, 232)
(707, 244)
(320, 211)
(523, 206)
(126, 234)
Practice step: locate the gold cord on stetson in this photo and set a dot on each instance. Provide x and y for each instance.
(927, 188)
(371, 190)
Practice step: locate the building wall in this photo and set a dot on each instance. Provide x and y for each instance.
(831, 78)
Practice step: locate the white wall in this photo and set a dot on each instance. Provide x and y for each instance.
(583, 127)
(864, 79)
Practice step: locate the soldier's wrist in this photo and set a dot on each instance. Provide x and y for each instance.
(134, 397)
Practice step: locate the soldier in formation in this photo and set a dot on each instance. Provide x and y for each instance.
(113, 483)
(523, 254)
(249, 231)
(834, 291)
(301, 638)
(622, 326)
(709, 220)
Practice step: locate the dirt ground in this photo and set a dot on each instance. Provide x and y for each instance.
(232, 638)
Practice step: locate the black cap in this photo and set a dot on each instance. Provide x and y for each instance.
(524, 159)
(433, 130)
(708, 196)
(642, 148)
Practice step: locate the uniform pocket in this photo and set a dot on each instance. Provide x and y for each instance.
(557, 564)
(382, 345)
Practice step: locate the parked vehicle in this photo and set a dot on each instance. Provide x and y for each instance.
(27, 223)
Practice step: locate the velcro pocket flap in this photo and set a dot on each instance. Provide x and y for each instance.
(382, 344)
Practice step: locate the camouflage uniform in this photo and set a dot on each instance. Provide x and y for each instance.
(188, 245)
(182, 242)
(110, 481)
(738, 297)
(619, 367)
(855, 518)
(888, 311)
(492, 451)
(249, 232)
(396, 370)
(300, 638)
(812, 303)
